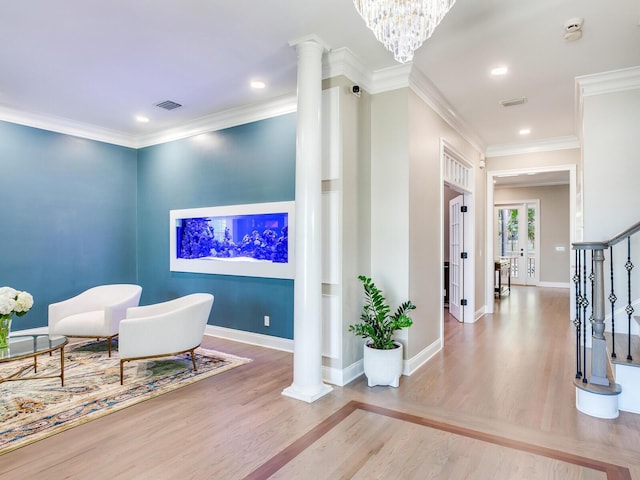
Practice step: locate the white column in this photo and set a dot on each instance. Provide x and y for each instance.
(307, 322)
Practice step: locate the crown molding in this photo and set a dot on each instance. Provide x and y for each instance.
(342, 62)
(427, 91)
(220, 120)
(558, 143)
(601, 84)
(608, 82)
(67, 127)
(391, 78)
(217, 121)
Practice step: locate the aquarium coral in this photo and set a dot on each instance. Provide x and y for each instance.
(198, 239)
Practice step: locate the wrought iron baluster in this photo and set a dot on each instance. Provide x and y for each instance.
(629, 310)
(577, 322)
(585, 304)
(612, 299)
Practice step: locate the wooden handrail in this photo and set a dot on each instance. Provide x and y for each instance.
(623, 235)
(602, 245)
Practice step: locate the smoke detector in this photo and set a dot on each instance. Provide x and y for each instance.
(573, 29)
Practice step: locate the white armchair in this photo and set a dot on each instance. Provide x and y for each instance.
(164, 329)
(95, 313)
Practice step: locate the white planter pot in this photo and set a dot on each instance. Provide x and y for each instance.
(383, 367)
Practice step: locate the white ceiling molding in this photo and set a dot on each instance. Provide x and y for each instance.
(602, 84)
(608, 82)
(343, 62)
(217, 121)
(66, 126)
(225, 119)
(429, 94)
(392, 78)
(558, 143)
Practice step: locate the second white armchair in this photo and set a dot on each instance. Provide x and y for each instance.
(164, 329)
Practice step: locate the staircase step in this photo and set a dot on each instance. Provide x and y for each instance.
(622, 349)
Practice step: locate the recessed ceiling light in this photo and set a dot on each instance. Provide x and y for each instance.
(524, 131)
(142, 119)
(257, 84)
(498, 71)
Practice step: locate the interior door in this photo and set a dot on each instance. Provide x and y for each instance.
(456, 266)
(516, 240)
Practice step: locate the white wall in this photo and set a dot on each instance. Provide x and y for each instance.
(611, 156)
(426, 225)
(390, 194)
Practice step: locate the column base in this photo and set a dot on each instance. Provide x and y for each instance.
(307, 395)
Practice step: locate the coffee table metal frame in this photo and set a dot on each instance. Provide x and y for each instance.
(57, 342)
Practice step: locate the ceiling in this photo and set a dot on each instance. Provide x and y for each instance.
(538, 179)
(100, 63)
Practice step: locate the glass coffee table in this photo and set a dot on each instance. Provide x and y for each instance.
(30, 346)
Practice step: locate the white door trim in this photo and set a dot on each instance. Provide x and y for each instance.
(575, 227)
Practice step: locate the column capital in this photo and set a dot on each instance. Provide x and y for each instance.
(312, 38)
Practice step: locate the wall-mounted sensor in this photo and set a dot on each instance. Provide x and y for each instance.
(355, 89)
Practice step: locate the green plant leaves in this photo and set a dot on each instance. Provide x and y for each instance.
(377, 323)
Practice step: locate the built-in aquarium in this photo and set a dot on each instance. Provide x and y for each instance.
(246, 240)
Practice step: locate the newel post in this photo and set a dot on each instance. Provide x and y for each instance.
(598, 345)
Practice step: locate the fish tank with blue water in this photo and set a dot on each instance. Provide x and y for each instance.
(261, 237)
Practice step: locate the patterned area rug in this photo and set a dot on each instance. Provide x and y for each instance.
(31, 410)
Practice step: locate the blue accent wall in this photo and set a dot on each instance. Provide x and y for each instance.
(76, 213)
(251, 163)
(67, 215)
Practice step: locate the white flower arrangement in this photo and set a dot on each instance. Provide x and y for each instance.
(13, 301)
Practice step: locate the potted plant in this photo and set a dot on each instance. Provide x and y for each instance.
(382, 354)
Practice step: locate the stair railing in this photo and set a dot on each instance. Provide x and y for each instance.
(589, 284)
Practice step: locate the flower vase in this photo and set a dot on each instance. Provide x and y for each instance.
(5, 329)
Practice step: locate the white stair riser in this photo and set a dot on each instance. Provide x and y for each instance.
(596, 405)
(629, 378)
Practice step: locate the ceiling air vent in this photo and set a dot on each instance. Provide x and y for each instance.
(513, 102)
(168, 105)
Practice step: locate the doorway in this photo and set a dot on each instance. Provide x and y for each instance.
(575, 227)
(517, 239)
(458, 237)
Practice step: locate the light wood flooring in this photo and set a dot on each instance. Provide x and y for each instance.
(497, 402)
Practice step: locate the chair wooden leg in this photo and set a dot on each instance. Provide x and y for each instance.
(109, 345)
(193, 360)
(121, 372)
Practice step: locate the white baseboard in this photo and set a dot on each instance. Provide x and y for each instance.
(480, 313)
(341, 377)
(555, 284)
(411, 365)
(251, 338)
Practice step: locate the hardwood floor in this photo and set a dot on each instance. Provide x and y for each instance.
(497, 402)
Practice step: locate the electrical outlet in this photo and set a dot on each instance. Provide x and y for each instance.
(266, 320)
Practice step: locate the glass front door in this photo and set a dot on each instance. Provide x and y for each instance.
(515, 238)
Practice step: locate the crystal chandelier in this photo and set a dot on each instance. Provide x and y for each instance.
(402, 25)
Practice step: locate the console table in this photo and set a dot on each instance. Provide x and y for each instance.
(30, 346)
(502, 273)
